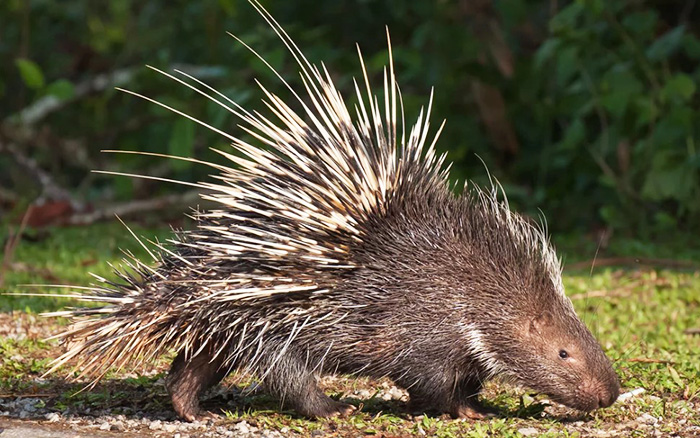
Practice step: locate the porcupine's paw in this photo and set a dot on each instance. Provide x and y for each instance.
(207, 415)
(186, 407)
(473, 411)
(324, 407)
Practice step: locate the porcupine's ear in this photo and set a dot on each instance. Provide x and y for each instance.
(539, 323)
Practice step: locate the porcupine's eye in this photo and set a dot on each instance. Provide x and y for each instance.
(563, 354)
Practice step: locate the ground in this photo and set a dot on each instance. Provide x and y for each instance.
(645, 318)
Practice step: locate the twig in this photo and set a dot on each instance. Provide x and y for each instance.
(647, 360)
(11, 245)
(50, 189)
(599, 294)
(634, 261)
(49, 104)
(134, 207)
(692, 331)
(8, 196)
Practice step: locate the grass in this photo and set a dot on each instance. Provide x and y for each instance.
(642, 316)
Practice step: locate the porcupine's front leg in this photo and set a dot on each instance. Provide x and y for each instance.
(188, 378)
(296, 386)
(465, 400)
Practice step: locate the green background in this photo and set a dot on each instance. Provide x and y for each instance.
(586, 110)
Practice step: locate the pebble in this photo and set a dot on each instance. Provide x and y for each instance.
(630, 394)
(646, 418)
(118, 426)
(242, 427)
(528, 431)
(396, 393)
(53, 417)
(364, 394)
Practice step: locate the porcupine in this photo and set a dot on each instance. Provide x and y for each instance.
(342, 249)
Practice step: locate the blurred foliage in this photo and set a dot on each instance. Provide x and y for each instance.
(602, 96)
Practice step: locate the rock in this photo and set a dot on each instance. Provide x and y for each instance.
(242, 427)
(53, 417)
(646, 418)
(528, 431)
(118, 426)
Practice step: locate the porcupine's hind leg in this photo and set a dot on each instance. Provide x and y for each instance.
(291, 380)
(187, 380)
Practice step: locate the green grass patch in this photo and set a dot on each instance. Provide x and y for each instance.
(644, 317)
(67, 256)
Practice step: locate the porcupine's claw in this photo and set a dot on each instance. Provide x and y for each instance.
(466, 402)
(335, 409)
(474, 411)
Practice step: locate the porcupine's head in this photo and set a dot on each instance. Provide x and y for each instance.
(517, 320)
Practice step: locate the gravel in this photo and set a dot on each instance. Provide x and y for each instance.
(29, 418)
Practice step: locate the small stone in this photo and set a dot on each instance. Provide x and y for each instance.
(646, 418)
(170, 428)
(155, 425)
(105, 426)
(52, 417)
(118, 427)
(242, 427)
(29, 405)
(363, 394)
(528, 431)
(396, 393)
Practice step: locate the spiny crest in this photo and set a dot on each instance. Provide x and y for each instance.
(529, 242)
(324, 170)
(302, 202)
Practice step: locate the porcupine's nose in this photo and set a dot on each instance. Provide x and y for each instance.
(598, 393)
(608, 394)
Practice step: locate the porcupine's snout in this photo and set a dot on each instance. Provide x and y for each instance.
(601, 393)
